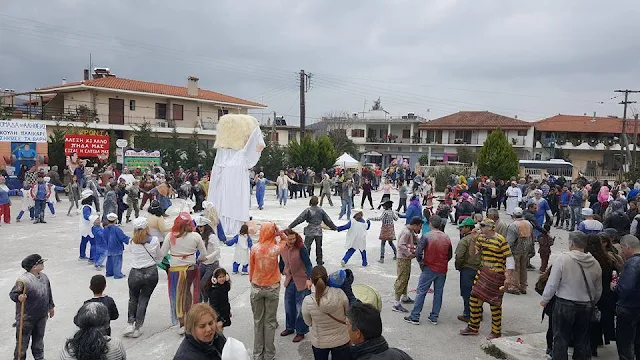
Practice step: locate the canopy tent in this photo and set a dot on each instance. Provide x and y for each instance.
(372, 153)
(347, 161)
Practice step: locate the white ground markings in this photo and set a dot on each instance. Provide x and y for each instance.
(58, 241)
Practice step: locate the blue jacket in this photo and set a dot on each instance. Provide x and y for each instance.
(633, 193)
(4, 197)
(576, 198)
(565, 197)
(115, 239)
(628, 288)
(98, 235)
(411, 212)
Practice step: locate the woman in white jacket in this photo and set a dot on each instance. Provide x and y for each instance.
(212, 244)
(325, 312)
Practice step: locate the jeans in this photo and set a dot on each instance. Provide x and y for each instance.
(100, 256)
(114, 266)
(351, 251)
(345, 209)
(428, 277)
(308, 240)
(571, 321)
(337, 353)
(264, 305)
(576, 216)
(393, 247)
(467, 276)
(141, 282)
(282, 196)
(83, 247)
(293, 308)
(39, 209)
(628, 333)
(402, 204)
(34, 329)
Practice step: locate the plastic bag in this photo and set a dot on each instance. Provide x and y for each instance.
(234, 350)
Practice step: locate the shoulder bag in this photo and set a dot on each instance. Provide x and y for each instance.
(595, 313)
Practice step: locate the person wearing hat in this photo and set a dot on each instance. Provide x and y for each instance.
(356, 237)
(212, 244)
(387, 230)
(495, 260)
(51, 202)
(85, 226)
(406, 252)
(115, 239)
(34, 290)
(143, 277)
(514, 196)
(261, 186)
(589, 225)
(40, 193)
(519, 238)
(467, 261)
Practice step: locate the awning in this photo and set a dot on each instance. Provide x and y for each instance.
(372, 153)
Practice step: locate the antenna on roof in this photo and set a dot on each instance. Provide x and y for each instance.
(593, 119)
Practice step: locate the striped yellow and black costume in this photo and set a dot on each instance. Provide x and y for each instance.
(494, 252)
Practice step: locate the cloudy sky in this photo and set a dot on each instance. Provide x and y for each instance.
(532, 59)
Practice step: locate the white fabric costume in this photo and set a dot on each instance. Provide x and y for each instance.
(514, 196)
(241, 252)
(84, 227)
(229, 188)
(357, 235)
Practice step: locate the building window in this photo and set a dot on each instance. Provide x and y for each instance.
(461, 137)
(357, 132)
(132, 105)
(292, 136)
(591, 165)
(161, 111)
(406, 134)
(522, 132)
(222, 112)
(273, 136)
(178, 112)
(198, 111)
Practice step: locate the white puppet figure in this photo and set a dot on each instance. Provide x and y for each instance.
(239, 144)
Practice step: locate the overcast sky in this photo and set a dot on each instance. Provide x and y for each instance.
(528, 58)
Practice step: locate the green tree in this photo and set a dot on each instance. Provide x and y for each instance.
(143, 137)
(56, 147)
(497, 158)
(342, 144)
(191, 150)
(466, 155)
(303, 153)
(424, 159)
(272, 159)
(326, 155)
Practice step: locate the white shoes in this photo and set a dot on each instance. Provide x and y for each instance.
(136, 333)
(129, 330)
(181, 330)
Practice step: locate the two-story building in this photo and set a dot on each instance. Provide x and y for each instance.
(442, 137)
(279, 132)
(109, 102)
(379, 136)
(591, 143)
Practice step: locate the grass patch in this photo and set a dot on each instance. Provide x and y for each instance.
(493, 350)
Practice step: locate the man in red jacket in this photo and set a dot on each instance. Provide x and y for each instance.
(433, 255)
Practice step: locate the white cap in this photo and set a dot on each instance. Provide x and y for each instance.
(517, 211)
(201, 221)
(587, 212)
(47, 179)
(93, 218)
(85, 194)
(112, 217)
(140, 223)
(357, 210)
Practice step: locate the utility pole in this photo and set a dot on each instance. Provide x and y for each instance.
(305, 85)
(273, 129)
(625, 151)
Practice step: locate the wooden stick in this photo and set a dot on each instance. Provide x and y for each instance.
(24, 292)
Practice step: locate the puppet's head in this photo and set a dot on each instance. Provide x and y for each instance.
(234, 130)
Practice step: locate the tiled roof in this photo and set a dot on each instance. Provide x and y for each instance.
(583, 124)
(117, 83)
(475, 120)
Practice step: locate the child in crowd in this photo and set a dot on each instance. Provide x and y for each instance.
(40, 194)
(406, 252)
(86, 225)
(100, 242)
(563, 208)
(115, 239)
(97, 285)
(387, 231)
(51, 201)
(218, 287)
(27, 203)
(34, 290)
(356, 237)
(426, 217)
(545, 240)
(243, 246)
(5, 202)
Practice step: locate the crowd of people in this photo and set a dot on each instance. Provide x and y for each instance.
(596, 279)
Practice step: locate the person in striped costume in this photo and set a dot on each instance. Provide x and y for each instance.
(491, 280)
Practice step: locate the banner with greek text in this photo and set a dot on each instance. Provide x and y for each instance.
(86, 146)
(25, 131)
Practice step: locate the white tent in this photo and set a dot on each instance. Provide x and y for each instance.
(347, 161)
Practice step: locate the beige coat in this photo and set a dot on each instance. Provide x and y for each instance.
(326, 332)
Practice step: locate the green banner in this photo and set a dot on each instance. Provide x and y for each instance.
(141, 158)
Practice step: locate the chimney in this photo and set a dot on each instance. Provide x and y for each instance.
(515, 116)
(64, 81)
(192, 86)
(86, 74)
